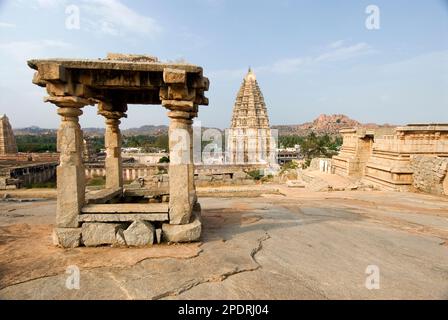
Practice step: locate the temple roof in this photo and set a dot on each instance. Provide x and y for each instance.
(121, 78)
(249, 110)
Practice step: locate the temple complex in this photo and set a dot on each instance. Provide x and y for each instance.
(110, 216)
(249, 139)
(410, 157)
(7, 140)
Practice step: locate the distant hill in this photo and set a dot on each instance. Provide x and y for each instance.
(324, 124)
(34, 131)
(149, 130)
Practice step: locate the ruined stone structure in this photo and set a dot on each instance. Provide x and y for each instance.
(14, 175)
(7, 140)
(354, 153)
(249, 138)
(22, 169)
(389, 165)
(393, 160)
(113, 84)
(154, 178)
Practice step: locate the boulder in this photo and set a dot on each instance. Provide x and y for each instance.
(67, 237)
(96, 234)
(119, 237)
(139, 233)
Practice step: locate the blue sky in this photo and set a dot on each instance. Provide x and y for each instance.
(310, 57)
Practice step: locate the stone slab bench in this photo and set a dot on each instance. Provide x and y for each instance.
(122, 212)
(102, 196)
(135, 192)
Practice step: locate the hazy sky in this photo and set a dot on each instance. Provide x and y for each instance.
(310, 57)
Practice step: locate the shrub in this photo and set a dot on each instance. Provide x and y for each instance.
(96, 181)
(255, 174)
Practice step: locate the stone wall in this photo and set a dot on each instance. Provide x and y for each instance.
(354, 153)
(430, 174)
(16, 176)
(389, 165)
(383, 159)
(204, 174)
(31, 157)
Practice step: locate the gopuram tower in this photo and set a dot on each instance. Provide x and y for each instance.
(7, 140)
(249, 139)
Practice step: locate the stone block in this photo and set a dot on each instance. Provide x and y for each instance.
(119, 237)
(174, 75)
(67, 237)
(139, 233)
(183, 232)
(159, 235)
(295, 184)
(204, 177)
(239, 175)
(96, 234)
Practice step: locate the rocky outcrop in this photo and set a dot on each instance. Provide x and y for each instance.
(324, 124)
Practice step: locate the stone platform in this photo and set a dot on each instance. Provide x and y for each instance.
(303, 245)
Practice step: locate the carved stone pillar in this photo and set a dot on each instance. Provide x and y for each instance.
(181, 167)
(70, 172)
(112, 142)
(181, 101)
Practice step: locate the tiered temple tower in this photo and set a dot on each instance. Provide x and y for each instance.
(249, 137)
(7, 140)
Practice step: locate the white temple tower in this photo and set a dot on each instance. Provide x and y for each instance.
(249, 138)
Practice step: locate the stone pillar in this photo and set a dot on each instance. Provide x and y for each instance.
(70, 172)
(112, 142)
(191, 184)
(182, 195)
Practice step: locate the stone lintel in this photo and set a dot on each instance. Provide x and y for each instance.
(177, 76)
(52, 72)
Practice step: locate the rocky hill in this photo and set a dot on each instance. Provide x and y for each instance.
(324, 124)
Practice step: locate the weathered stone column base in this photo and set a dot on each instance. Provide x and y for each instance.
(184, 232)
(67, 237)
(138, 233)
